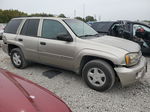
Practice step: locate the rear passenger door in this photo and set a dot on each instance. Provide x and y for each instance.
(11, 30)
(29, 39)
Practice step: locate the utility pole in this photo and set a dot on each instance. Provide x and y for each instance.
(74, 13)
(83, 11)
(99, 18)
(95, 16)
(83, 16)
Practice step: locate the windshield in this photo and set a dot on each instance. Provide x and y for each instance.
(80, 28)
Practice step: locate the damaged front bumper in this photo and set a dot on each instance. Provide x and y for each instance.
(132, 74)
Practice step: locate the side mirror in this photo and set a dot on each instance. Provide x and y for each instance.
(65, 37)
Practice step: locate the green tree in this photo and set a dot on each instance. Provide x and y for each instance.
(148, 21)
(79, 18)
(62, 16)
(89, 18)
(7, 15)
(1, 15)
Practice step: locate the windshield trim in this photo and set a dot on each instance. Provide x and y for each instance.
(69, 27)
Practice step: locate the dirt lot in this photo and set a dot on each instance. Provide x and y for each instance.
(71, 88)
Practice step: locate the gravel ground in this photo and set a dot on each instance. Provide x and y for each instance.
(71, 88)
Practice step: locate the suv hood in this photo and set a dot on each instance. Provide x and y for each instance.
(118, 42)
(21, 95)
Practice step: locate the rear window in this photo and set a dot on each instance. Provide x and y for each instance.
(30, 27)
(12, 26)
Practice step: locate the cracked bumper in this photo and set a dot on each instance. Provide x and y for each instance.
(132, 74)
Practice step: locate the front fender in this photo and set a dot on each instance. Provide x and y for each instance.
(115, 59)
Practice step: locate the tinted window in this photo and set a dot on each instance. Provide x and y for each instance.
(51, 29)
(30, 27)
(102, 27)
(12, 26)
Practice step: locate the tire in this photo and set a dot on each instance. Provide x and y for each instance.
(17, 58)
(98, 75)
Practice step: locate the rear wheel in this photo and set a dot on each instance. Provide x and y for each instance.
(17, 58)
(98, 75)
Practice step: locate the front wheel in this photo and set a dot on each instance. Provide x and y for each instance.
(98, 75)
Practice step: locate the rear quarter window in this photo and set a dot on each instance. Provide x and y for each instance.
(12, 26)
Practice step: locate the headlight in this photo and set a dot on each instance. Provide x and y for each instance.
(132, 58)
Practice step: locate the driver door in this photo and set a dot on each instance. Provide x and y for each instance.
(53, 51)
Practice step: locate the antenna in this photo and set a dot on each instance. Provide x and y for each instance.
(83, 11)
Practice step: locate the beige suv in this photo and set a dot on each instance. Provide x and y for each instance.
(73, 45)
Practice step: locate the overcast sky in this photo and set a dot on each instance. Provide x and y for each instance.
(104, 9)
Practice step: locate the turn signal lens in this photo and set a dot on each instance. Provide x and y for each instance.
(128, 60)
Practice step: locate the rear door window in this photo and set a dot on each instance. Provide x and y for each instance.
(12, 26)
(30, 27)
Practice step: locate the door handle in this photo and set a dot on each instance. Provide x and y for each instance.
(43, 43)
(20, 39)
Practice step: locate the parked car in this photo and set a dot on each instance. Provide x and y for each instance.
(135, 31)
(2, 26)
(73, 45)
(21, 95)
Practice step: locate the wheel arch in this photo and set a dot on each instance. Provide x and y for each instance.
(10, 47)
(85, 59)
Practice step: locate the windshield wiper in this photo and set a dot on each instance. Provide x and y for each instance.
(97, 35)
(86, 35)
